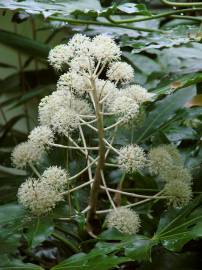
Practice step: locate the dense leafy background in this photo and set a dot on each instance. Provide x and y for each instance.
(166, 55)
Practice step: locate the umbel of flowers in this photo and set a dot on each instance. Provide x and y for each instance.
(95, 86)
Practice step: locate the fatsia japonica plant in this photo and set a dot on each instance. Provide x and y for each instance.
(96, 93)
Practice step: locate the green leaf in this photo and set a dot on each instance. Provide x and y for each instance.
(164, 110)
(24, 44)
(113, 234)
(179, 226)
(131, 8)
(16, 264)
(11, 217)
(95, 260)
(38, 231)
(140, 248)
(178, 83)
(48, 8)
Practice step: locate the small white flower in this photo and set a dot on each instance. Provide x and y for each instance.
(105, 88)
(81, 107)
(80, 45)
(165, 160)
(38, 197)
(123, 219)
(132, 158)
(120, 71)
(73, 81)
(82, 63)
(41, 136)
(176, 173)
(51, 104)
(137, 93)
(159, 160)
(56, 177)
(65, 120)
(125, 107)
(105, 49)
(59, 56)
(179, 193)
(25, 153)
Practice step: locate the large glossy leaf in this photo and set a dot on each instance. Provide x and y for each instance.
(140, 248)
(11, 224)
(19, 265)
(177, 227)
(164, 110)
(178, 83)
(95, 260)
(47, 8)
(155, 41)
(38, 231)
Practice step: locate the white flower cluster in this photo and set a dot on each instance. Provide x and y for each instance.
(32, 151)
(120, 71)
(123, 219)
(81, 50)
(87, 58)
(40, 196)
(61, 111)
(132, 158)
(81, 89)
(165, 161)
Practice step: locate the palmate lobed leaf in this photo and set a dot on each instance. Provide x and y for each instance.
(164, 110)
(95, 260)
(179, 226)
(181, 81)
(38, 231)
(17, 264)
(47, 8)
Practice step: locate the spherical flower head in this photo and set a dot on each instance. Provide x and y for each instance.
(174, 153)
(82, 63)
(120, 71)
(51, 104)
(60, 56)
(179, 193)
(138, 93)
(41, 136)
(80, 45)
(73, 81)
(124, 220)
(126, 108)
(104, 48)
(105, 88)
(138, 121)
(176, 173)
(25, 153)
(65, 120)
(160, 160)
(81, 107)
(132, 158)
(38, 197)
(55, 177)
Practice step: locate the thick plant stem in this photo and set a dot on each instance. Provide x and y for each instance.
(107, 24)
(91, 216)
(156, 16)
(180, 4)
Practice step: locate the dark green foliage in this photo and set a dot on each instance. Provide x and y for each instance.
(166, 55)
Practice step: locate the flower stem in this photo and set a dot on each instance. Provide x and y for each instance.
(91, 216)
